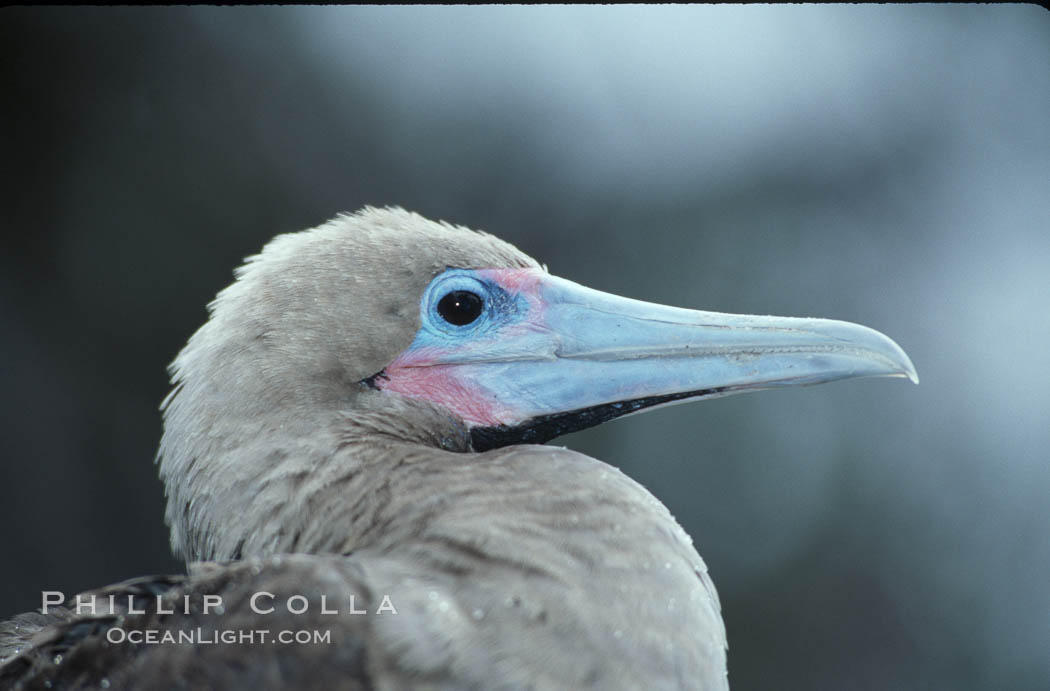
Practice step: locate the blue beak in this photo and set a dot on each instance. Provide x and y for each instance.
(547, 356)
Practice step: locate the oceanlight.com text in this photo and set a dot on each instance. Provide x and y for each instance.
(200, 636)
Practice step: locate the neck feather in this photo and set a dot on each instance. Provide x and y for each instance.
(245, 486)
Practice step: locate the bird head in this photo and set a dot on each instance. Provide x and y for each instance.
(444, 335)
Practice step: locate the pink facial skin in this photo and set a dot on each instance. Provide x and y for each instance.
(427, 373)
(517, 281)
(440, 384)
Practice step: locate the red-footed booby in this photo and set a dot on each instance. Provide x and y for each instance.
(357, 427)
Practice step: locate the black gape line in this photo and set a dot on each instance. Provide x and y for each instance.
(371, 382)
(540, 430)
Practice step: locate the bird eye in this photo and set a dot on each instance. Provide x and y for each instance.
(460, 307)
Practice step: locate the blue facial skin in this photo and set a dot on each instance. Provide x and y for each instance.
(500, 309)
(562, 347)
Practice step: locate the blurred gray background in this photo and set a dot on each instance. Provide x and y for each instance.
(888, 165)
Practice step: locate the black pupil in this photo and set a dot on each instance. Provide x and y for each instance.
(460, 307)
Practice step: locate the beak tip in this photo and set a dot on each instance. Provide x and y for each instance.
(910, 374)
(904, 366)
(907, 368)
(884, 348)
